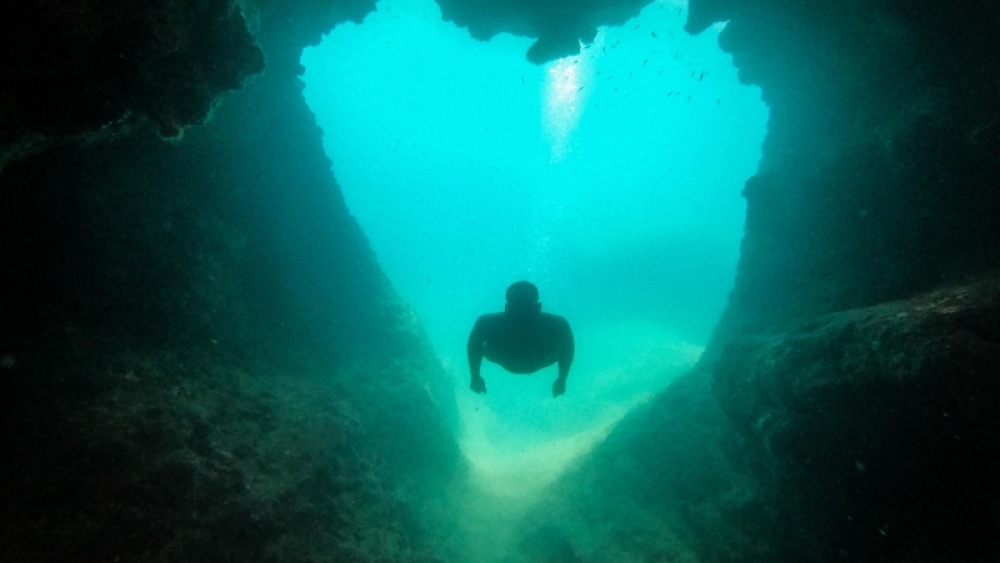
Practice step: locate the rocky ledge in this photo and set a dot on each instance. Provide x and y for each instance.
(875, 430)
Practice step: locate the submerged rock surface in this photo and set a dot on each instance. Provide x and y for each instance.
(201, 360)
(560, 25)
(876, 431)
(74, 68)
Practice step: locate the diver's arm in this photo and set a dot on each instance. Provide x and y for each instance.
(474, 350)
(567, 349)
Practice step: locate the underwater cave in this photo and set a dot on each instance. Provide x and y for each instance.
(244, 244)
(469, 167)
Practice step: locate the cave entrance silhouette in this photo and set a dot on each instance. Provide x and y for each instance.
(610, 179)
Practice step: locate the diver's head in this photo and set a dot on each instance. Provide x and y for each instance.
(522, 299)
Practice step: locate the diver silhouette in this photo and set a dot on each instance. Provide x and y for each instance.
(522, 339)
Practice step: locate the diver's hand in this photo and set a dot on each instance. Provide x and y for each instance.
(558, 388)
(478, 384)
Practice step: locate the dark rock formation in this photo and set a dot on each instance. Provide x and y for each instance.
(72, 67)
(877, 431)
(161, 457)
(560, 25)
(880, 167)
(285, 27)
(200, 358)
(236, 239)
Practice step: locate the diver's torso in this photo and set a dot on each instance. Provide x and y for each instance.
(523, 345)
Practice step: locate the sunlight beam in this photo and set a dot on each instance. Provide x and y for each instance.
(564, 98)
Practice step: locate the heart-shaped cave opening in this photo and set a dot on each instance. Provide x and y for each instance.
(611, 180)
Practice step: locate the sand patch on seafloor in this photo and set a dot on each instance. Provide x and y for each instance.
(518, 439)
(513, 453)
(522, 474)
(502, 486)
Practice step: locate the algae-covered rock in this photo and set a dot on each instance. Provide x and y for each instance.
(561, 26)
(201, 358)
(876, 430)
(160, 457)
(72, 68)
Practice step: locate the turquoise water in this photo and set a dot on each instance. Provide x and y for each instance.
(610, 179)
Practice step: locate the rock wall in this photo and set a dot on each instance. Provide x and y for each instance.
(874, 430)
(72, 68)
(201, 359)
(559, 25)
(878, 178)
(878, 183)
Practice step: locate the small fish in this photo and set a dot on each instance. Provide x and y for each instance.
(626, 95)
(522, 80)
(636, 27)
(610, 76)
(653, 33)
(689, 98)
(701, 77)
(604, 50)
(679, 10)
(630, 73)
(659, 73)
(644, 61)
(616, 89)
(581, 88)
(616, 43)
